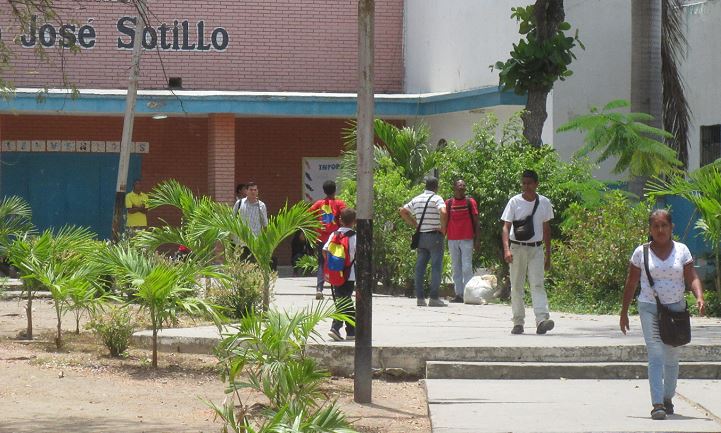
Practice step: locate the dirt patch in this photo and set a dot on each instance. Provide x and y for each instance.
(81, 389)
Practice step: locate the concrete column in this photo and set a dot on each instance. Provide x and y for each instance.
(221, 157)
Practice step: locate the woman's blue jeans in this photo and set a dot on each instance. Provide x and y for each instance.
(662, 358)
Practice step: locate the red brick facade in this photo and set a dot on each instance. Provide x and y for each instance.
(283, 45)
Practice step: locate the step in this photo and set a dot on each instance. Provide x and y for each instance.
(561, 370)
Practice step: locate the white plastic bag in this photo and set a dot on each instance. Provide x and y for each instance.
(478, 291)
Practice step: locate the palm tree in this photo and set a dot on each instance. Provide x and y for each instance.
(220, 217)
(627, 137)
(15, 220)
(676, 111)
(267, 353)
(703, 189)
(161, 287)
(205, 223)
(56, 261)
(408, 147)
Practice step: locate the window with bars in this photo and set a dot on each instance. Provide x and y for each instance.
(710, 144)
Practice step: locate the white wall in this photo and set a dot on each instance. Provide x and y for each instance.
(458, 127)
(702, 72)
(449, 44)
(601, 72)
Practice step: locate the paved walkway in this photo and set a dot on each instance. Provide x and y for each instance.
(408, 334)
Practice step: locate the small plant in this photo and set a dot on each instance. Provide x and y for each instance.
(308, 265)
(242, 291)
(267, 354)
(114, 327)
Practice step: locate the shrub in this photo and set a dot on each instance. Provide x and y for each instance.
(114, 327)
(589, 268)
(242, 291)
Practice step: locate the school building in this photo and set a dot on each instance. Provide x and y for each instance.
(259, 90)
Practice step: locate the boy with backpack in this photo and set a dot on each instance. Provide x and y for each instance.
(339, 271)
(462, 233)
(328, 210)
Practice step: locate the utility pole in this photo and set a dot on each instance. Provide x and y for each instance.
(362, 385)
(125, 143)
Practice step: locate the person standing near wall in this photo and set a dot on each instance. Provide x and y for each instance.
(328, 210)
(431, 209)
(526, 229)
(462, 233)
(136, 202)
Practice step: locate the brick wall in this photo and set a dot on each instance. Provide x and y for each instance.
(283, 45)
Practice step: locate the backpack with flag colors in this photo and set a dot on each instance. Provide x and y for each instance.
(337, 266)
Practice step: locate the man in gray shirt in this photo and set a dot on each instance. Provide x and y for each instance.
(431, 242)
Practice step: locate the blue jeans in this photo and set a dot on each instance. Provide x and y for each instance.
(462, 259)
(662, 358)
(430, 247)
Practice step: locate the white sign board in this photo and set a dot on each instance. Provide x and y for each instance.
(315, 172)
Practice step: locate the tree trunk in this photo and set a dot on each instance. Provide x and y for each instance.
(535, 116)
(59, 336)
(155, 347)
(718, 274)
(29, 314)
(646, 83)
(549, 14)
(266, 290)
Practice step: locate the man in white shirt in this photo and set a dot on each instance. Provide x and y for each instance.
(522, 249)
(431, 242)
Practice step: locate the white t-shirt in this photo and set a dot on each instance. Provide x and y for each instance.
(667, 274)
(351, 249)
(519, 208)
(432, 219)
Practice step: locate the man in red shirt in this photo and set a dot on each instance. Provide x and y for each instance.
(328, 211)
(462, 232)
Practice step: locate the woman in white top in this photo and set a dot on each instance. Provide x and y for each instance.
(671, 267)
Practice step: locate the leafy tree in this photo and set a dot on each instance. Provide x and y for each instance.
(161, 287)
(703, 189)
(625, 136)
(266, 353)
(538, 60)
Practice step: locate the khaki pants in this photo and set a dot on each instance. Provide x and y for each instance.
(528, 261)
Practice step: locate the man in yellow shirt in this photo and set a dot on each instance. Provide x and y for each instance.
(136, 203)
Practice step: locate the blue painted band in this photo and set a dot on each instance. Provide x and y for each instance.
(256, 104)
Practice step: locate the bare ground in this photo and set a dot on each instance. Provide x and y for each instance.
(81, 389)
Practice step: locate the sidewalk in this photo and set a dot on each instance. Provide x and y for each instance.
(406, 336)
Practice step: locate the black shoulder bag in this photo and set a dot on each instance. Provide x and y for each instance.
(523, 229)
(673, 326)
(417, 235)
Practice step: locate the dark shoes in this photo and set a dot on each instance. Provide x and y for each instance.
(335, 335)
(457, 300)
(436, 303)
(545, 326)
(517, 329)
(658, 412)
(668, 405)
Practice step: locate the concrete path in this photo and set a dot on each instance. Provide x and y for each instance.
(406, 335)
(481, 406)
